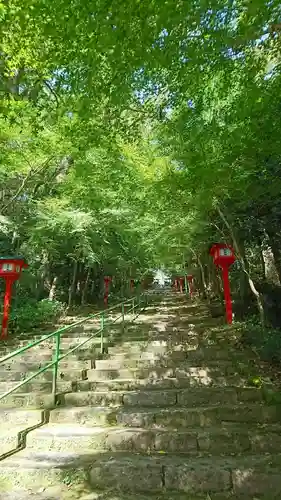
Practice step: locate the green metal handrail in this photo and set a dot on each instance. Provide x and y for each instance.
(136, 302)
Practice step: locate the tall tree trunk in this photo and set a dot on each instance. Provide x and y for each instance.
(202, 279)
(52, 292)
(243, 279)
(71, 289)
(85, 287)
(275, 246)
(260, 244)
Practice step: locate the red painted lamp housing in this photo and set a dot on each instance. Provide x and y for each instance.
(224, 256)
(10, 270)
(11, 267)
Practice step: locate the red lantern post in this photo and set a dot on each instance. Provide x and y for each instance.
(107, 280)
(176, 284)
(132, 283)
(181, 284)
(190, 284)
(10, 270)
(223, 256)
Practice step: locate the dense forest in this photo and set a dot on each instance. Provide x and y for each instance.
(133, 136)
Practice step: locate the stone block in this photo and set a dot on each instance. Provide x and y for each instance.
(176, 442)
(197, 478)
(250, 414)
(223, 441)
(206, 396)
(127, 475)
(93, 398)
(176, 419)
(249, 394)
(265, 442)
(135, 419)
(150, 398)
(135, 440)
(248, 481)
(87, 416)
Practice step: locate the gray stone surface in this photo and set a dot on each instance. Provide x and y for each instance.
(151, 398)
(197, 478)
(206, 396)
(138, 476)
(249, 481)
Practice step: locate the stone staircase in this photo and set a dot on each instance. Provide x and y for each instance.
(166, 413)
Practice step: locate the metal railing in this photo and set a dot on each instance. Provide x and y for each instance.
(135, 303)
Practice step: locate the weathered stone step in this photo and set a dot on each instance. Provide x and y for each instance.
(171, 417)
(191, 397)
(212, 371)
(45, 357)
(152, 346)
(36, 386)
(27, 400)
(175, 357)
(135, 362)
(258, 475)
(21, 418)
(35, 364)
(67, 342)
(199, 379)
(9, 440)
(65, 374)
(221, 440)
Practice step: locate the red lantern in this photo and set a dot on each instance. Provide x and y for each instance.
(190, 284)
(181, 284)
(107, 280)
(10, 270)
(224, 256)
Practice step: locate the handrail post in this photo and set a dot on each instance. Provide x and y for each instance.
(56, 356)
(102, 330)
(133, 305)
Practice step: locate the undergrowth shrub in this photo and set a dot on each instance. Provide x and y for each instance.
(266, 341)
(32, 314)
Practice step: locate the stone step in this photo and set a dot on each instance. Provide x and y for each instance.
(65, 374)
(226, 440)
(67, 342)
(199, 380)
(134, 362)
(47, 347)
(210, 372)
(177, 360)
(152, 347)
(34, 365)
(191, 397)
(62, 491)
(21, 417)
(171, 417)
(45, 356)
(9, 440)
(136, 473)
(36, 386)
(27, 400)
